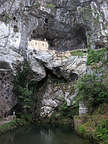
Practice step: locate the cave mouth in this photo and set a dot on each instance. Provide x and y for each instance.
(61, 42)
(75, 39)
(79, 31)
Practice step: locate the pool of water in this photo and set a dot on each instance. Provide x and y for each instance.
(41, 135)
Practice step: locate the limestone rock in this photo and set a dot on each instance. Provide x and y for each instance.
(67, 68)
(55, 94)
(7, 97)
(9, 59)
(37, 69)
(65, 26)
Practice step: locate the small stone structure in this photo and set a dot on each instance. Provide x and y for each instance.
(38, 45)
(82, 109)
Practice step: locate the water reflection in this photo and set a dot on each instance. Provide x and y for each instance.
(38, 135)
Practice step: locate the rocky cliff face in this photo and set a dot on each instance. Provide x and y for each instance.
(7, 98)
(64, 24)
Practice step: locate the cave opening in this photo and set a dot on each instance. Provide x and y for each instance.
(80, 33)
(76, 38)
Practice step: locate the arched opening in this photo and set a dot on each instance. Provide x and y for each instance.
(80, 33)
(59, 40)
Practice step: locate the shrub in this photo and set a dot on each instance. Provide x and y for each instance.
(96, 56)
(91, 91)
(81, 130)
(51, 5)
(77, 53)
(24, 87)
(67, 111)
(102, 131)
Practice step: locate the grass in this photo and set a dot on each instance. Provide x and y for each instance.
(51, 5)
(77, 53)
(95, 56)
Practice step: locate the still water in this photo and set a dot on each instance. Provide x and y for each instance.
(41, 135)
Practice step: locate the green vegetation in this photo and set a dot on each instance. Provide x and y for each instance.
(51, 5)
(77, 53)
(82, 130)
(27, 117)
(102, 131)
(95, 56)
(63, 115)
(95, 127)
(11, 125)
(67, 111)
(24, 87)
(36, 5)
(92, 91)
